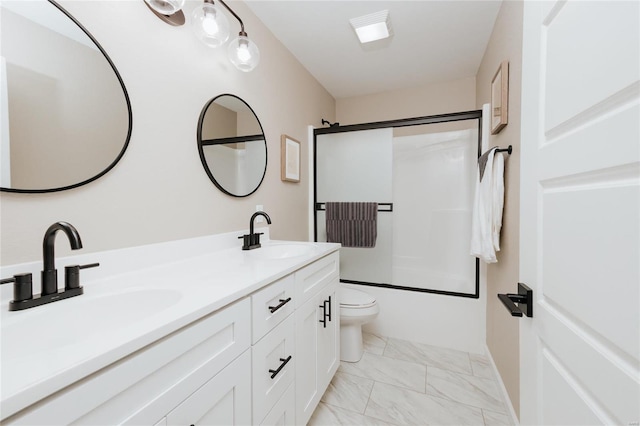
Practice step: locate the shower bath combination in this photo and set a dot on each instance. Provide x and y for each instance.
(422, 173)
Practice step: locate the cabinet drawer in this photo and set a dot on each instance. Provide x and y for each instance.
(140, 388)
(271, 305)
(284, 412)
(310, 279)
(273, 367)
(223, 400)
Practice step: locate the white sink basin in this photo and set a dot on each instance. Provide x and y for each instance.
(75, 323)
(284, 251)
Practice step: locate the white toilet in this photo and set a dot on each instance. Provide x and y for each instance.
(356, 308)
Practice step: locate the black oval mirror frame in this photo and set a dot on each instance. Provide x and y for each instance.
(129, 113)
(226, 141)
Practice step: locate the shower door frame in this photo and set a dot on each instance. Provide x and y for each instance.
(405, 122)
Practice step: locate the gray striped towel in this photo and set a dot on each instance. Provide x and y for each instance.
(352, 224)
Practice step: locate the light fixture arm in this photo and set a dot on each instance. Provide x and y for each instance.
(242, 33)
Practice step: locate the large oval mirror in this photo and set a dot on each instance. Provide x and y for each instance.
(232, 145)
(66, 116)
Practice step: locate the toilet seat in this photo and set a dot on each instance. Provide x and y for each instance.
(355, 299)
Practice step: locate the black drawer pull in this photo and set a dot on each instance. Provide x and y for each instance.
(284, 361)
(329, 303)
(283, 302)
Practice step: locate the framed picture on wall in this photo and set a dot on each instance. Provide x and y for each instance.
(500, 98)
(289, 159)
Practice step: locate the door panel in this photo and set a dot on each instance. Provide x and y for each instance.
(590, 254)
(598, 367)
(567, 407)
(585, 56)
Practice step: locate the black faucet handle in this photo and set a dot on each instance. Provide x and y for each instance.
(72, 275)
(22, 288)
(89, 265)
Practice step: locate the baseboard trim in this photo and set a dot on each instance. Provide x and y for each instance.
(503, 389)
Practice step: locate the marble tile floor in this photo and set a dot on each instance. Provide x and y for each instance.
(403, 383)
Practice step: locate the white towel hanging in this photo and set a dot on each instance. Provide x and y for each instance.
(487, 207)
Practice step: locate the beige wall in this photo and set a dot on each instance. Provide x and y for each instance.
(159, 191)
(438, 98)
(502, 277)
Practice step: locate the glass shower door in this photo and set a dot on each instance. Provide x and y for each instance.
(357, 166)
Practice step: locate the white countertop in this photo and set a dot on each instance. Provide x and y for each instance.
(137, 296)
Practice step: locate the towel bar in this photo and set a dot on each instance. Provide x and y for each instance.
(382, 207)
(508, 150)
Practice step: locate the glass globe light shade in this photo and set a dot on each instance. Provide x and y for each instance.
(210, 25)
(243, 53)
(166, 7)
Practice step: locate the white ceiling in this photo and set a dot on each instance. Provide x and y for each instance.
(433, 41)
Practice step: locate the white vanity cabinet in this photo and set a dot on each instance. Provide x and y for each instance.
(317, 323)
(265, 358)
(143, 387)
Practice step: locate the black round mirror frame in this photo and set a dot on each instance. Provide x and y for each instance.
(201, 150)
(129, 112)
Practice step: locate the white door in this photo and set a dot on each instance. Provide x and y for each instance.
(580, 201)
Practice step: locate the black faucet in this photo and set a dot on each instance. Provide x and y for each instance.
(252, 240)
(23, 297)
(50, 274)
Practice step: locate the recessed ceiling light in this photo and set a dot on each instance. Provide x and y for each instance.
(372, 27)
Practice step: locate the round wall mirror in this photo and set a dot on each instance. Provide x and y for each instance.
(232, 145)
(66, 116)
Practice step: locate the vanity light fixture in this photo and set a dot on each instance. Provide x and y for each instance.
(170, 11)
(242, 52)
(372, 27)
(211, 27)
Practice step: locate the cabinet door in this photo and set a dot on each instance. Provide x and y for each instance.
(329, 336)
(223, 400)
(284, 411)
(307, 333)
(273, 363)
